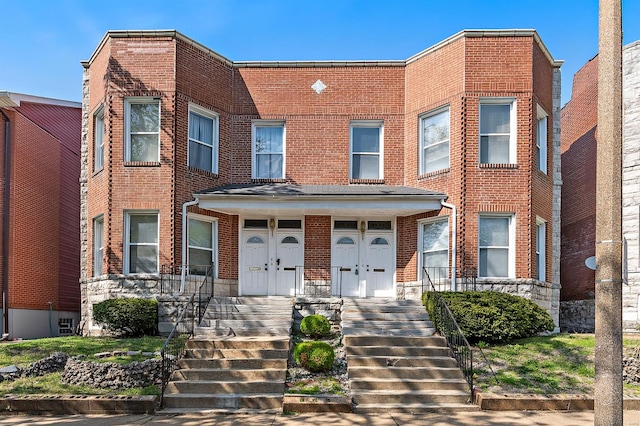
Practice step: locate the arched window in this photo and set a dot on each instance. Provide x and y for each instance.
(345, 240)
(289, 240)
(255, 240)
(379, 242)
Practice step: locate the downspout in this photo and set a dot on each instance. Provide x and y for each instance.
(183, 266)
(454, 238)
(6, 223)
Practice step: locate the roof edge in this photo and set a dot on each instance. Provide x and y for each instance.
(13, 100)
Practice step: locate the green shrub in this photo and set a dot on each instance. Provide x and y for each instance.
(491, 316)
(314, 356)
(315, 326)
(131, 317)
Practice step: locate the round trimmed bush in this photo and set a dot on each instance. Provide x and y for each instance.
(315, 326)
(314, 356)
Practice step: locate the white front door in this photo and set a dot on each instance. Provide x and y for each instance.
(289, 256)
(255, 264)
(380, 267)
(346, 281)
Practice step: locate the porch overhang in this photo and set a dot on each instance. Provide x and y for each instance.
(336, 200)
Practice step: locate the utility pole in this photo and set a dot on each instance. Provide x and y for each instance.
(608, 350)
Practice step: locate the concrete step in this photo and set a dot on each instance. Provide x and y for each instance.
(400, 361)
(414, 408)
(269, 315)
(394, 341)
(404, 372)
(230, 375)
(385, 316)
(397, 332)
(366, 384)
(242, 364)
(236, 353)
(386, 324)
(231, 342)
(423, 351)
(224, 401)
(410, 397)
(212, 332)
(240, 324)
(225, 387)
(379, 301)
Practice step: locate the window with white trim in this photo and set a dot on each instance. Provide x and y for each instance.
(142, 130)
(495, 246)
(367, 150)
(268, 149)
(141, 242)
(435, 243)
(98, 246)
(98, 140)
(497, 131)
(541, 141)
(203, 139)
(434, 141)
(541, 239)
(201, 243)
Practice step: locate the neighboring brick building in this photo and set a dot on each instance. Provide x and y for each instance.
(321, 177)
(40, 142)
(579, 131)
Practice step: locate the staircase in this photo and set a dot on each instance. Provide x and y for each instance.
(237, 360)
(395, 362)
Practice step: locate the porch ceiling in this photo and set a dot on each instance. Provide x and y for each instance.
(335, 200)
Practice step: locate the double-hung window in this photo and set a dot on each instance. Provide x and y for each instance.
(541, 239)
(201, 243)
(435, 247)
(434, 141)
(496, 246)
(98, 140)
(203, 139)
(98, 246)
(142, 130)
(541, 140)
(497, 131)
(367, 150)
(268, 149)
(141, 242)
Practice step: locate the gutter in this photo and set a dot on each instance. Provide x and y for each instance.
(183, 266)
(6, 223)
(454, 238)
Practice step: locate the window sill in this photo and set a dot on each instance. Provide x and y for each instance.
(498, 165)
(142, 164)
(97, 172)
(367, 181)
(202, 172)
(434, 173)
(263, 180)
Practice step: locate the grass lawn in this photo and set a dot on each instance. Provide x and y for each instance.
(545, 365)
(22, 353)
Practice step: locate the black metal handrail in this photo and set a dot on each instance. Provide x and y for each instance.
(448, 327)
(442, 280)
(171, 277)
(205, 292)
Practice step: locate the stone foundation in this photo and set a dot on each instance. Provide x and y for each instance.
(578, 316)
(330, 308)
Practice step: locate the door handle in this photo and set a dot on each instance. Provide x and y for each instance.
(278, 262)
(265, 267)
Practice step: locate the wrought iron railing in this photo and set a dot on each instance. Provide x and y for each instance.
(441, 279)
(318, 281)
(205, 292)
(447, 326)
(171, 277)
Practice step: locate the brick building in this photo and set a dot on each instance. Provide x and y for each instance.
(579, 130)
(40, 142)
(342, 178)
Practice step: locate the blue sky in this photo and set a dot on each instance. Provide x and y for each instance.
(44, 41)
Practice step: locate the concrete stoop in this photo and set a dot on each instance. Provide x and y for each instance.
(396, 363)
(237, 360)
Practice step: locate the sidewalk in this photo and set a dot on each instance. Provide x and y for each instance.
(477, 418)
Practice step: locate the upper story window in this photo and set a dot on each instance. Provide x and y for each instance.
(98, 140)
(541, 140)
(367, 150)
(142, 130)
(141, 242)
(268, 148)
(203, 139)
(496, 246)
(434, 141)
(497, 131)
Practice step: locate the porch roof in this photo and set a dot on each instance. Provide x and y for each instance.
(343, 200)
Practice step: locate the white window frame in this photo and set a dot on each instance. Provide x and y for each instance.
(98, 245)
(423, 147)
(127, 239)
(254, 165)
(541, 249)
(98, 139)
(513, 133)
(127, 123)
(214, 238)
(541, 140)
(421, 224)
(367, 124)
(510, 246)
(198, 110)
